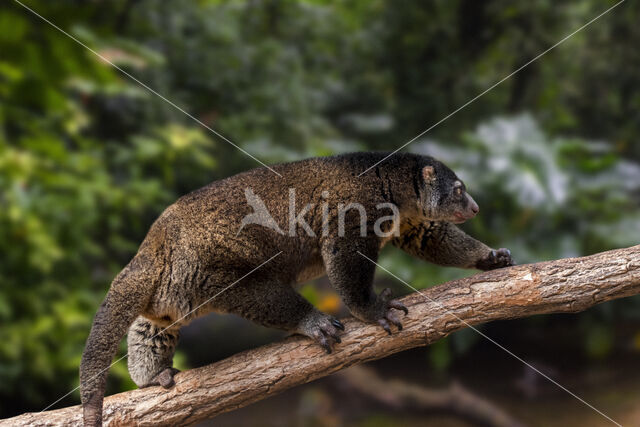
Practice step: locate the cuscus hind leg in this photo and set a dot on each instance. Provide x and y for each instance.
(151, 350)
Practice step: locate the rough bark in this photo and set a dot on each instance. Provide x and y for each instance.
(567, 285)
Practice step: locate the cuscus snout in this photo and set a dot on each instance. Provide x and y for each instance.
(468, 211)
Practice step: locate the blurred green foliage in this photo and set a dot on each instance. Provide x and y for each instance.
(88, 158)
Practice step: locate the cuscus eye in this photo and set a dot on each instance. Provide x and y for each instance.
(457, 188)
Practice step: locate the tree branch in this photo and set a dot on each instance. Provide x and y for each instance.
(400, 397)
(567, 285)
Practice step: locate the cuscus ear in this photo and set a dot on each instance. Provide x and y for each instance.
(428, 174)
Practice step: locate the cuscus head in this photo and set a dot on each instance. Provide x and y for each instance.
(444, 195)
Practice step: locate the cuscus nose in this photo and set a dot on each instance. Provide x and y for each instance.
(473, 206)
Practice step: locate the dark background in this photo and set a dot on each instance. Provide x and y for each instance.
(89, 158)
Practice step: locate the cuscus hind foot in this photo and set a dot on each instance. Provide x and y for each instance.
(164, 378)
(384, 314)
(322, 328)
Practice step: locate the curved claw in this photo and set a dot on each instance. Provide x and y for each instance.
(399, 306)
(507, 254)
(322, 339)
(337, 324)
(328, 333)
(385, 325)
(392, 318)
(385, 295)
(503, 256)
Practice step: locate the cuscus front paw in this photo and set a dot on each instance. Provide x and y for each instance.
(322, 328)
(164, 378)
(384, 315)
(496, 259)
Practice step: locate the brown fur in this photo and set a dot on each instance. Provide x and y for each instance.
(193, 252)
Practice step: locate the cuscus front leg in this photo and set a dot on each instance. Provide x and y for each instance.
(350, 266)
(445, 244)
